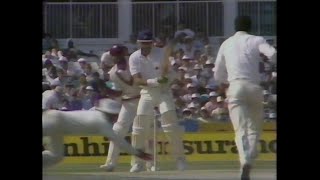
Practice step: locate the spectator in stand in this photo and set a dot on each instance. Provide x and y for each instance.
(195, 99)
(212, 104)
(72, 53)
(49, 43)
(204, 116)
(54, 54)
(208, 51)
(196, 56)
(189, 121)
(62, 77)
(182, 29)
(188, 47)
(54, 100)
(198, 77)
(187, 64)
(88, 98)
(191, 89)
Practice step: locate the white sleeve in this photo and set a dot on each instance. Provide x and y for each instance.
(134, 65)
(220, 74)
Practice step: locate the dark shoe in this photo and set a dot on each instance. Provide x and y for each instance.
(245, 172)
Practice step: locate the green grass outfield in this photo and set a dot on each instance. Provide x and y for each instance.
(263, 170)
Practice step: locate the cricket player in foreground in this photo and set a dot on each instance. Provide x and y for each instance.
(57, 124)
(120, 75)
(237, 69)
(149, 67)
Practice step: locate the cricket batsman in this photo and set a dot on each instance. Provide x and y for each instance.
(149, 67)
(57, 124)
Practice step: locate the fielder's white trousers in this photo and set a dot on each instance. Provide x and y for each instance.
(57, 124)
(246, 113)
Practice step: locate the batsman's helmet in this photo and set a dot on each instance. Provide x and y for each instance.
(117, 50)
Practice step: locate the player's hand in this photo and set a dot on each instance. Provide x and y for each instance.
(144, 156)
(163, 80)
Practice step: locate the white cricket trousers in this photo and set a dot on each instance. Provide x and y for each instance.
(121, 127)
(169, 122)
(246, 113)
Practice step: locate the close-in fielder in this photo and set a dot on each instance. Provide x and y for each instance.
(57, 124)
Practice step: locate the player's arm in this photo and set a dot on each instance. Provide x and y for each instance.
(130, 82)
(220, 74)
(135, 70)
(267, 52)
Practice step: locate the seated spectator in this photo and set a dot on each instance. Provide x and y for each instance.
(212, 87)
(54, 53)
(189, 122)
(72, 53)
(204, 116)
(82, 63)
(197, 56)
(195, 98)
(203, 59)
(188, 47)
(194, 108)
(183, 29)
(204, 98)
(75, 102)
(54, 99)
(62, 77)
(207, 70)
(181, 72)
(212, 104)
(88, 98)
(208, 51)
(198, 77)
(199, 41)
(187, 64)
(191, 88)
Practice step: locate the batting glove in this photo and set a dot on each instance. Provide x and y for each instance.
(153, 82)
(163, 80)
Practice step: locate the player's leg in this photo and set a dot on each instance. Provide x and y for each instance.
(55, 155)
(50, 128)
(174, 132)
(238, 111)
(139, 137)
(238, 104)
(140, 128)
(121, 127)
(150, 146)
(254, 126)
(105, 129)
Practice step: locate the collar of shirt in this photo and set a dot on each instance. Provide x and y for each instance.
(240, 33)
